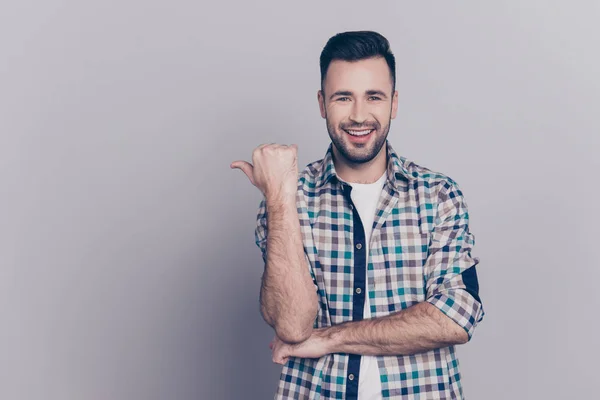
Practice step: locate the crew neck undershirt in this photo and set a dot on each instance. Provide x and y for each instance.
(365, 197)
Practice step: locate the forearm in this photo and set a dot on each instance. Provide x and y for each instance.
(287, 297)
(419, 328)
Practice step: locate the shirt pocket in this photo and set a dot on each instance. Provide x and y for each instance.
(405, 261)
(411, 247)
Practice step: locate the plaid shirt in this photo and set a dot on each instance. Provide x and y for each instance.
(419, 250)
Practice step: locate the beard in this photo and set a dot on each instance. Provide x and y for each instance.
(358, 153)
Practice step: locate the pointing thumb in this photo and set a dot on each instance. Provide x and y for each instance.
(246, 168)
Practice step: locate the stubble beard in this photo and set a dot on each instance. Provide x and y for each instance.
(358, 155)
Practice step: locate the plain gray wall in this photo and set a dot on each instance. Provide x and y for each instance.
(128, 263)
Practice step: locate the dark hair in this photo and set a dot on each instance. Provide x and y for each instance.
(354, 46)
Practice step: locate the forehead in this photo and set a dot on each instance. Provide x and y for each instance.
(372, 73)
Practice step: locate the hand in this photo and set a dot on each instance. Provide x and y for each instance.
(275, 170)
(316, 346)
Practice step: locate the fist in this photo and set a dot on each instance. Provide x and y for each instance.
(274, 170)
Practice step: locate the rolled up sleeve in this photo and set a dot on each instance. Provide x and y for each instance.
(451, 276)
(260, 233)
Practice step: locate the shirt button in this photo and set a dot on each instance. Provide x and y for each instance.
(351, 207)
(358, 290)
(351, 377)
(359, 246)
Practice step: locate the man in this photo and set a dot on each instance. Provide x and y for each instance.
(369, 282)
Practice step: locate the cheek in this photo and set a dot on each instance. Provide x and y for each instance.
(334, 120)
(332, 113)
(383, 112)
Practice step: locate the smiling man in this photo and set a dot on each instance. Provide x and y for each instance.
(369, 281)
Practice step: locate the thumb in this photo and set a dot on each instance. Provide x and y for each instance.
(246, 168)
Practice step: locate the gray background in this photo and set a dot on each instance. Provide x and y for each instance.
(128, 263)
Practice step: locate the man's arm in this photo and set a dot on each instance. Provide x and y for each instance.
(448, 315)
(288, 299)
(419, 328)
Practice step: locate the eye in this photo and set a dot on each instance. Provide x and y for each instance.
(375, 97)
(341, 98)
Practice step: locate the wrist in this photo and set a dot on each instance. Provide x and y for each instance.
(281, 200)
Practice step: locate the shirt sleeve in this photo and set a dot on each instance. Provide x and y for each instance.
(260, 237)
(451, 276)
(260, 233)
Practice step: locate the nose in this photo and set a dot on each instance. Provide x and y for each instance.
(358, 113)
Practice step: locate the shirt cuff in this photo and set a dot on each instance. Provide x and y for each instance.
(460, 306)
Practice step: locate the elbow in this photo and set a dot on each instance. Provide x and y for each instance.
(293, 336)
(297, 334)
(453, 333)
(462, 336)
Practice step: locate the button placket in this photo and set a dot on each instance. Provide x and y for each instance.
(359, 281)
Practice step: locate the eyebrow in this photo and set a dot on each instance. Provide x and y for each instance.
(349, 93)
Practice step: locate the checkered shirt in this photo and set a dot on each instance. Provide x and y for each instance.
(419, 250)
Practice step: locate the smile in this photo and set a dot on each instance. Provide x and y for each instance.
(363, 132)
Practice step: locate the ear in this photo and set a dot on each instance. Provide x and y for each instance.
(321, 100)
(394, 104)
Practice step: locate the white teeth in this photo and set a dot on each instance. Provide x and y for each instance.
(359, 133)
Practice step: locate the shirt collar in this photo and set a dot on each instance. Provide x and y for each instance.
(396, 167)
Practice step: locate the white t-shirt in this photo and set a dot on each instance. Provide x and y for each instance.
(365, 198)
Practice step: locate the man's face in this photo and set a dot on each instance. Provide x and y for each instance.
(358, 97)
